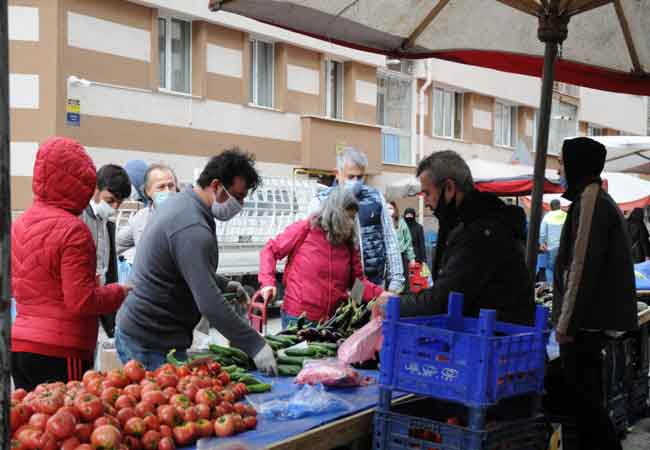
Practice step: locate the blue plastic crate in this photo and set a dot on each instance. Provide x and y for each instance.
(405, 431)
(476, 362)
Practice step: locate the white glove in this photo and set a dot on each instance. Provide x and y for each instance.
(265, 361)
(269, 292)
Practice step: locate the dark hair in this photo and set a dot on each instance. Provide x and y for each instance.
(555, 204)
(229, 164)
(115, 180)
(394, 205)
(444, 165)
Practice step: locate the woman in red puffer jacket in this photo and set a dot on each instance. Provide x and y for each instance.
(323, 261)
(53, 271)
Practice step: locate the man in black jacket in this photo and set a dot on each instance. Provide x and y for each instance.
(417, 235)
(593, 287)
(484, 255)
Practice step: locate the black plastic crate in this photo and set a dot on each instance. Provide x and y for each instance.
(434, 424)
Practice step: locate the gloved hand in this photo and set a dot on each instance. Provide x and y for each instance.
(238, 288)
(265, 361)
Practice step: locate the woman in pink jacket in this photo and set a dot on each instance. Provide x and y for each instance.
(323, 261)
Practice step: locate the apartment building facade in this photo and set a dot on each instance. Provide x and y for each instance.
(169, 81)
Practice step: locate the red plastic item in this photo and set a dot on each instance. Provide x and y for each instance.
(416, 281)
(257, 312)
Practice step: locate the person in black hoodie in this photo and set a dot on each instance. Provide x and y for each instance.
(594, 293)
(482, 255)
(639, 236)
(417, 235)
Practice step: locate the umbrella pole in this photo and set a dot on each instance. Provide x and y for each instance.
(5, 226)
(552, 31)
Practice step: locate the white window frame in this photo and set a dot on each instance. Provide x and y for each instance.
(328, 88)
(168, 53)
(591, 127)
(384, 72)
(254, 100)
(432, 105)
(513, 135)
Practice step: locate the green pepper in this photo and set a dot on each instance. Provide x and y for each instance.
(259, 388)
(286, 370)
(172, 359)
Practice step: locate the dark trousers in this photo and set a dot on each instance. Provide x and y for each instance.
(30, 369)
(583, 384)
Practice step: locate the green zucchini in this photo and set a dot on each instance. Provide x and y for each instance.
(309, 351)
(258, 388)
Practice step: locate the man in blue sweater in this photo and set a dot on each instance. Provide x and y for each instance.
(175, 271)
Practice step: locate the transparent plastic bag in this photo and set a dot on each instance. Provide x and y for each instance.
(330, 372)
(308, 401)
(363, 344)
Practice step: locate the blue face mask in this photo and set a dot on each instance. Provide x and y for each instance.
(161, 197)
(563, 182)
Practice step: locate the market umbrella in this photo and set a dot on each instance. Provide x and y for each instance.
(607, 46)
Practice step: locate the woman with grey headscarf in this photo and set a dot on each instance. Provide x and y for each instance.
(323, 261)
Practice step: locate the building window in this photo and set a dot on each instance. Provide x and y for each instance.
(593, 130)
(175, 49)
(262, 79)
(447, 113)
(564, 124)
(334, 81)
(394, 100)
(505, 125)
(566, 89)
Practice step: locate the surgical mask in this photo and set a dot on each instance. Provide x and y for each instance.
(226, 210)
(161, 197)
(104, 211)
(354, 186)
(563, 182)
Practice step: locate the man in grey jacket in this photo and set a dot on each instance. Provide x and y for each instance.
(175, 271)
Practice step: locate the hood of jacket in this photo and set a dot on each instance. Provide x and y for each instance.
(478, 205)
(584, 160)
(64, 175)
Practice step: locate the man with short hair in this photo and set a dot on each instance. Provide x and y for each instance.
(380, 254)
(175, 271)
(113, 187)
(550, 231)
(484, 256)
(594, 290)
(159, 184)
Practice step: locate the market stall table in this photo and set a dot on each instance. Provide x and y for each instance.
(317, 432)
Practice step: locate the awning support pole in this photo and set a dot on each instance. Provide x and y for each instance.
(552, 31)
(5, 228)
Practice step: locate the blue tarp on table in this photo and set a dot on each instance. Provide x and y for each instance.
(270, 431)
(642, 276)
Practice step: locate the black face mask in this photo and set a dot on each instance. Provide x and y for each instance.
(447, 213)
(409, 219)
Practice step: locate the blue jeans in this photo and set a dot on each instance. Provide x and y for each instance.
(128, 349)
(551, 256)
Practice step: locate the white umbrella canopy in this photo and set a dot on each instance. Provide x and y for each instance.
(607, 46)
(626, 153)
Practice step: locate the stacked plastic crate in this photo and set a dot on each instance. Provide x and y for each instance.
(637, 383)
(481, 380)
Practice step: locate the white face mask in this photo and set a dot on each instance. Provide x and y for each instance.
(226, 210)
(104, 211)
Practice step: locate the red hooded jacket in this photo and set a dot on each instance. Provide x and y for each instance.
(317, 276)
(53, 259)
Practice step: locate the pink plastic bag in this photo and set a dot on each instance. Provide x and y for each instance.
(330, 372)
(363, 344)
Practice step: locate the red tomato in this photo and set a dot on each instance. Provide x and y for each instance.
(239, 423)
(250, 422)
(109, 409)
(152, 422)
(123, 415)
(49, 402)
(150, 440)
(167, 379)
(72, 410)
(224, 378)
(89, 375)
(218, 411)
(207, 397)
(134, 390)
(190, 414)
(169, 415)
(180, 401)
(48, 442)
(183, 371)
(20, 414)
(144, 408)
(110, 395)
(106, 420)
(202, 411)
(224, 426)
(250, 411)
(166, 431)
(134, 370)
(29, 436)
(16, 444)
(61, 425)
(169, 392)
(133, 443)
(90, 407)
(125, 401)
(85, 447)
(95, 386)
(156, 398)
(185, 434)
(166, 443)
(39, 420)
(82, 431)
(227, 407)
(71, 443)
(190, 390)
(204, 428)
(106, 437)
(150, 387)
(118, 378)
(166, 368)
(18, 395)
(135, 426)
(240, 408)
(76, 385)
(228, 396)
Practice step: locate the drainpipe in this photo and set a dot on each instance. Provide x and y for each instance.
(425, 86)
